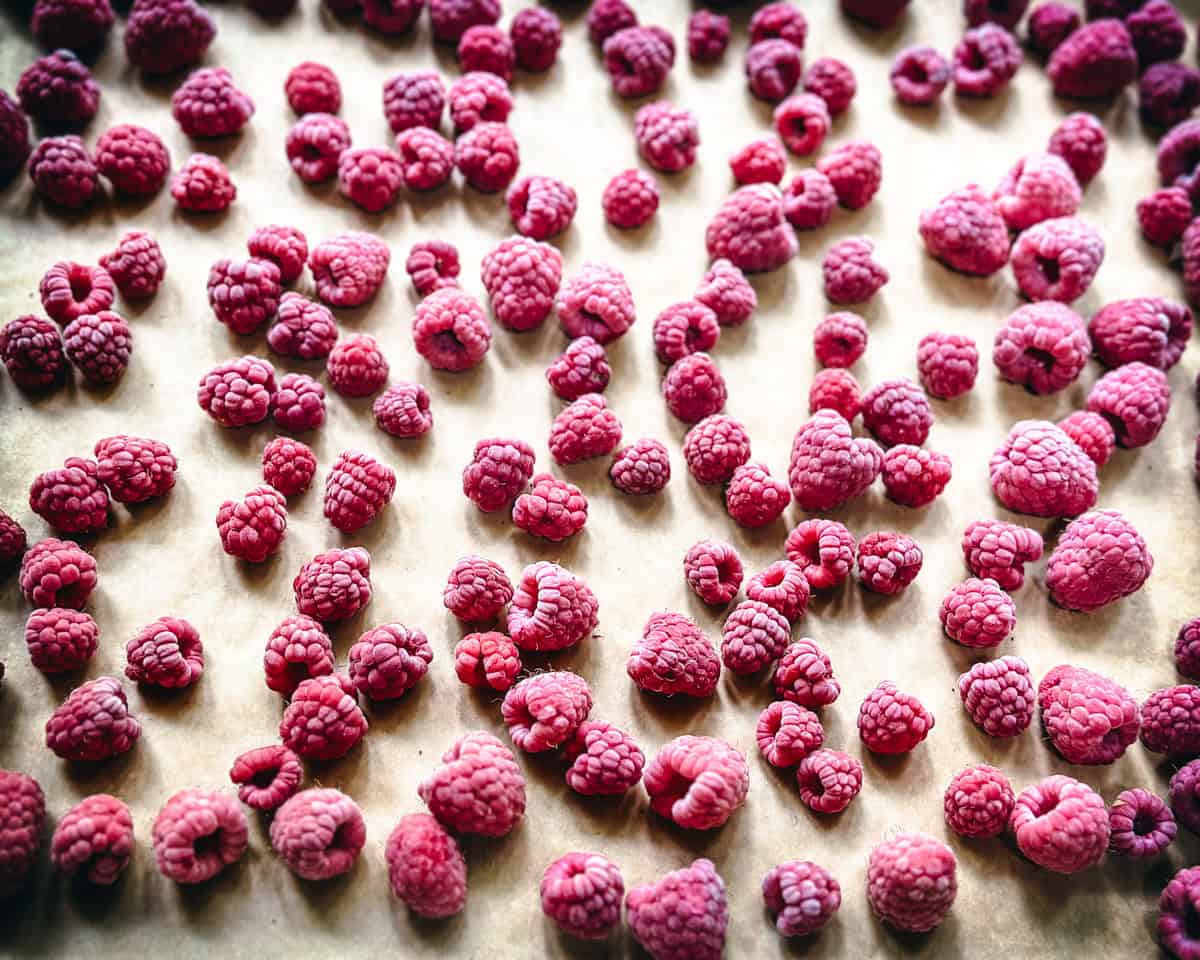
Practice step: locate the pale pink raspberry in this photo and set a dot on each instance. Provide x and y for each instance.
(303, 328)
(414, 99)
(753, 497)
(773, 67)
(759, 161)
(542, 712)
(606, 17)
(996, 550)
(897, 411)
(985, 60)
(638, 60)
(487, 661)
(918, 76)
(1039, 470)
(266, 776)
(298, 649)
(552, 509)
(581, 369)
(299, 404)
(714, 571)
(682, 915)
(499, 470)
(914, 476)
(487, 156)
(630, 199)
(750, 230)
(666, 135)
(99, 345)
(891, 722)
(1061, 824)
(856, 170)
(1057, 259)
(1050, 24)
(551, 609)
(486, 47)
(839, 339)
(71, 290)
(754, 635)
(166, 653)
(541, 207)
(674, 656)
(389, 660)
(707, 36)
(715, 447)
(137, 265)
(912, 879)
(1190, 255)
(1097, 60)
(536, 34)
(824, 550)
(977, 613)
(93, 723)
(203, 185)
(476, 589)
(334, 585)
(1171, 724)
(966, 232)
(725, 290)
(582, 892)
(284, 246)
(93, 839)
(522, 277)
(1092, 434)
(833, 81)
(1135, 399)
(851, 272)
(323, 721)
(1038, 187)
(947, 364)
(694, 388)
(1088, 718)
(803, 896)
(1187, 649)
(1176, 906)
(786, 733)
(584, 429)
(197, 834)
(828, 780)
(835, 390)
(828, 465)
(1042, 346)
(999, 696)
(253, 528)
(71, 498)
(451, 331)
(642, 468)
(1140, 824)
(315, 144)
(349, 268)
(478, 788)
(57, 573)
(356, 366)
(60, 640)
(684, 328)
(604, 761)
(596, 302)
(318, 833)
(1099, 558)
(426, 158)
(478, 97)
(1151, 330)
(978, 802)
(783, 587)
(426, 869)
(697, 782)
(370, 177)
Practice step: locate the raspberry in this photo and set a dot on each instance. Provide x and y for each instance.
(414, 99)
(855, 169)
(948, 364)
(1171, 722)
(162, 36)
(985, 60)
(997, 551)
(391, 17)
(673, 656)
(541, 207)
(69, 290)
(450, 330)
(542, 712)
(137, 265)
(93, 723)
(486, 48)
(349, 268)
(253, 529)
(606, 17)
(99, 345)
(809, 200)
(697, 783)
(851, 273)
(583, 368)
(166, 653)
(781, 20)
(536, 35)
(1088, 718)
(833, 81)
(897, 412)
(1099, 558)
(75, 24)
(298, 649)
(203, 185)
(829, 780)
(715, 447)
(1007, 13)
(840, 339)
(14, 144)
(759, 161)
(1039, 187)
(207, 104)
(914, 477)
(285, 247)
(754, 635)
(1134, 399)
(403, 410)
(787, 733)
(426, 157)
(299, 404)
(334, 585)
(1185, 795)
(1081, 141)
(1061, 824)
(682, 914)
(477, 589)
(312, 88)
(303, 328)
(71, 498)
(1049, 25)
(1140, 824)
(630, 199)
(707, 36)
(1097, 60)
(552, 509)
(1150, 330)
(13, 542)
(1057, 259)
(315, 144)
(977, 613)
(667, 136)
(197, 834)
(1165, 214)
(890, 721)
(266, 776)
(1187, 649)
(318, 833)
(978, 802)
(824, 550)
(551, 609)
(754, 498)
(477, 98)
(750, 230)
(521, 277)
(487, 661)
(1168, 94)
(63, 172)
(596, 302)
(389, 660)
(357, 488)
(1157, 31)
(322, 721)
(918, 76)
(370, 177)
(725, 290)
(1179, 900)
(1190, 255)
(244, 294)
(604, 761)
(95, 837)
(828, 466)
(356, 366)
(426, 870)
(713, 571)
(773, 69)
(638, 60)
(60, 640)
(966, 232)
(488, 156)
(237, 392)
(478, 789)
(57, 573)
(450, 19)
(912, 879)
(1039, 470)
(58, 90)
(998, 695)
(431, 265)
(642, 468)
(694, 389)
(581, 892)
(803, 896)
(499, 470)
(1042, 346)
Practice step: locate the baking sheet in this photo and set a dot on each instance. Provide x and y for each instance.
(165, 558)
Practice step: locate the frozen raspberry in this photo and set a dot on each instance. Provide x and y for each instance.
(71, 498)
(297, 650)
(1088, 718)
(370, 177)
(684, 328)
(164, 35)
(136, 266)
(977, 613)
(759, 161)
(237, 392)
(522, 277)
(303, 328)
(478, 788)
(713, 571)
(349, 268)
(285, 247)
(63, 172)
(683, 914)
(978, 802)
(426, 870)
(1057, 259)
(1042, 346)
(323, 721)
(630, 199)
(13, 542)
(780, 20)
(1039, 470)
(553, 509)
(638, 60)
(707, 36)
(890, 721)
(828, 465)
(312, 88)
(754, 498)
(488, 156)
(824, 550)
(667, 136)
(1168, 94)
(604, 761)
(1039, 187)
(694, 389)
(486, 48)
(477, 589)
(253, 528)
(431, 265)
(99, 345)
(426, 158)
(919, 74)
(74, 24)
(803, 896)
(403, 410)
(499, 470)
(985, 60)
(726, 291)
(315, 144)
(754, 635)
(998, 551)
(855, 169)
(244, 294)
(60, 640)
(596, 302)
(1146, 329)
(450, 330)
(356, 366)
(203, 185)
(897, 412)
(581, 892)
(750, 230)
(207, 104)
(58, 90)
(166, 653)
(673, 656)
(266, 776)
(57, 573)
(318, 833)
(1185, 795)
(357, 488)
(1081, 141)
(334, 585)
(1177, 905)
(583, 368)
(197, 834)
(1171, 722)
(966, 232)
(71, 290)
(299, 404)
(1061, 824)
(696, 782)
(912, 879)
(14, 144)
(93, 723)
(828, 780)
(773, 69)
(1157, 31)
(913, 476)
(391, 17)
(1049, 25)
(833, 81)
(541, 207)
(840, 339)
(948, 364)
(487, 661)
(606, 17)
(450, 19)
(787, 733)
(809, 200)
(1097, 60)
(94, 839)
(1134, 399)
(1007, 13)
(389, 660)
(642, 468)
(1140, 824)
(851, 273)
(1099, 558)
(477, 98)
(1165, 214)
(543, 711)
(998, 695)
(536, 35)
(551, 609)
(1187, 649)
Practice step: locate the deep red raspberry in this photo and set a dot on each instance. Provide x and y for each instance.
(1049, 25)
(288, 465)
(391, 17)
(786, 733)
(1039, 470)
(1099, 558)
(684, 328)
(266, 776)
(450, 330)
(487, 155)
(1187, 649)
(978, 802)
(966, 232)
(985, 60)
(198, 833)
(414, 99)
(773, 69)
(388, 661)
(244, 294)
(888, 562)
(356, 366)
(477, 98)
(1157, 31)
(70, 290)
(426, 158)
(582, 892)
(604, 761)
(403, 410)
(303, 328)
(998, 695)
(95, 837)
(299, 648)
(1171, 724)
(136, 266)
(1179, 900)
(1164, 215)
(370, 177)
(948, 364)
(162, 36)
(919, 74)
(1097, 60)
(1007, 13)
(134, 469)
(583, 368)
(1061, 824)
(299, 403)
(674, 656)
(596, 302)
(630, 199)
(1146, 329)
(334, 585)
(828, 465)
(913, 476)
(542, 712)
(1081, 141)
(522, 277)
(851, 272)
(57, 573)
(1134, 399)
(63, 172)
(840, 339)
(314, 145)
(897, 411)
(638, 60)
(642, 468)
(71, 498)
(166, 653)
(751, 231)
(725, 290)
(754, 498)
(782, 20)
(284, 246)
(753, 637)
(357, 488)
(1092, 433)
(1168, 94)
(824, 550)
(912, 880)
(318, 833)
(1185, 795)
(1042, 346)
(682, 914)
(486, 48)
(207, 104)
(254, 527)
(1038, 187)
(58, 91)
(696, 782)
(707, 36)
(809, 200)
(1140, 824)
(203, 185)
(553, 509)
(606, 17)
(977, 613)
(478, 788)
(349, 268)
(499, 470)
(312, 88)
(477, 589)
(551, 609)
(74, 24)
(323, 721)
(715, 447)
(541, 207)
(431, 265)
(487, 661)
(93, 723)
(536, 35)
(833, 81)
(13, 542)
(667, 136)
(1057, 259)
(426, 870)
(14, 142)
(855, 169)
(60, 640)
(759, 161)
(714, 571)
(450, 19)
(1088, 718)
(237, 392)
(803, 895)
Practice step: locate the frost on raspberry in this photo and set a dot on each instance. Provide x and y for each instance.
(166, 653)
(694, 388)
(203, 185)
(803, 896)
(323, 720)
(1168, 94)
(891, 721)
(487, 660)
(389, 660)
(828, 780)
(24, 819)
(828, 465)
(754, 635)
(966, 232)
(947, 364)
(684, 328)
(682, 914)
(244, 294)
(71, 498)
(1040, 186)
(998, 551)
(356, 366)
(715, 447)
(630, 199)
(714, 571)
(914, 476)
(978, 802)
(977, 613)
(488, 156)
(71, 290)
(541, 207)
(856, 170)
(415, 99)
(93, 723)
(750, 230)
(479, 788)
(285, 246)
(357, 488)
(754, 498)
(760, 161)
(809, 200)
(851, 272)
(99, 345)
(63, 172)
(478, 97)
(999, 696)
(674, 656)
(1152, 330)
(985, 60)
(1089, 718)
(725, 290)
(499, 471)
(299, 404)
(1057, 259)
(298, 649)
(349, 268)
(551, 609)
(582, 892)
(334, 585)
(207, 104)
(773, 68)
(431, 265)
(1042, 346)
(403, 410)
(581, 369)
(536, 34)
(1178, 903)
(1100, 558)
(604, 761)
(57, 573)
(697, 782)
(426, 158)
(266, 776)
(370, 177)
(1050, 24)
(596, 302)
(314, 145)
(137, 265)
(919, 75)
(1040, 471)
(1081, 141)
(707, 36)
(542, 712)
(642, 468)
(60, 640)
(667, 136)
(897, 411)
(476, 589)
(312, 88)
(522, 277)
(162, 36)
(638, 60)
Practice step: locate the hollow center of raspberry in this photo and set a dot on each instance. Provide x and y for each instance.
(1044, 358)
(296, 673)
(1117, 424)
(311, 152)
(676, 788)
(1143, 824)
(208, 845)
(772, 578)
(265, 777)
(341, 840)
(974, 60)
(799, 127)
(914, 70)
(692, 337)
(815, 785)
(725, 571)
(447, 342)
(81, 286)
(1048, 266)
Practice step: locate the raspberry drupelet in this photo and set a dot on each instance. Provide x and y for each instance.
(166, 653)
(851, 272)
(288, 465)
(912, 880)
(786, 733)
(476, 98)
(1042, 346)
(551, 608)
(667, 136)
(1088, 718)
(299, 403)
(581, 369)
(479, 788)
(596, 302)
(773, 67)
(487, 155)
(891, 722)
(725, 290)
(162, 36)
(1140, 824)
(604, 761)
(715, 447)
(856, 170)
(389, 660)
(1177, 905)
(1097, 60)
(253, 528)
(24, 819)
(541, 207)
(93, 723)
(833, 81)
(753, 637)
(349, 268)
(542, 712)
(630, 199)
(314, 145)
(684, 913)
(499, 470)
(244, 294)
(69, 291)
(60, 640)
(642, 468)
(63, 172)
(707, 36)
(985, 60)
(753, 497)
(431, 265)
(323, 721)
(606, 17)
(1171, 722)
(476, 589)
(998, 695)
(203, 185)
(57, 573)
(312, 88)
(674, 656)
(71, 498)
(918, 76)
(137, 265)
(1040, 470)
(297, 650)
(284, 246)
(426, 869)
(370, 177)
(697, 782)
(759, 161)
(1057, 259)
(334, 585)
(487, 661)
(426, 158)
(1187, 649)
(552, 509)
(582, 893)
(58, 90)
(536, 35)
(966, 232)
(1049, 25)
(978, 802)
(802, 895)
(197, 834)
(828, 465)
(522, 278)
(947, 364)
(318, 833)
(207, 104)
(977, 613)
(94, 839)
(1061, 824)
(1164, 215)
(1100, 557)
(836, 390)
(638, 60)
(585, 428)
(266, 776)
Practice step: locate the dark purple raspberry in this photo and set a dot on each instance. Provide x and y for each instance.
(536, 35)
(79, 25)
(1168, 94)
(161, 36)
(32, 350)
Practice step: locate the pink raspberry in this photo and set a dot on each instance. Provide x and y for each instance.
(809, 200)
(977, 613)
(1099, 558)
(824, 550)
(1049, 25)
(14, 144)
(833, 81)
(759, 161)
(450, 330)
(855, 169)
(203, 185)
(913, 476)
(522, 277)
(74, 24)
(299, 403)
(1140, 824)
(1039, 187)
(582, 369)
(198, 833)
(707, 36)
(426, 158)
(1185, 795)
(996, 550)
(542, 712)
(966, 232)
(642, 468)
(697, 782)
(403, 410)
(852, 275)
(596, 302)
(1187, 649)
(681, 915)
(318, 833)
(93, 723)
(1061, 824)
(266, 776)
(782, 586)
(487, 661)
(297, 650)
(356, 366)
(1151, 330)
(166, 653)
(1164, 215)
(541, 207)
(897, 411)
(1134, 399)
(750, 230)
(779, 20)
(1039, 470)
(828, 465)
(60, 640)
(315, 144)
(95, 837)
(638, 60)
(69, 291)
(1007, 13)
(754, 635)
(1088, 718)
(754, 498)
(674, 656)
(828, 780)
(284, 246)
(1081, 141)
(63, 172)
(803, 896)
(357, 488)
(948, 364)
(99, 345)
(714, 571)
(891, 722)
(918, 76)
(1176, 905)
(477, 98)
(667, 136)
(804, 675)
(303, 328)
(1157, 31)
(312, 88)
(414, 99)
(840, 339)
(450, 19)
(334, 585)
(390, 17)
(1168, 94)
(606, 17)
(207, 104)
(1097, 60)
(604, 761)
(786, 733)
(985, 60)
(476, 589)
(431, 265)
(57, 573)
(71, 498)
(1171, 723)
(244, 294)
(1057, 259)
(1042, 346)
(484, 47)
(581, 892)
(349, 268)
(551, 609)
(536, 35)
(773, 68)
(978, 802)
(323, 721)
(237, 392)
(630, 199)
(488, 156)
(58, 90)
(137, 265)
(553, 509)
(499, 470)
(912, 879)
(715, 447)
(162, 36)
(478, 788)
(998, 695)
(426, 869)
(388, 661)
(134, 160)
(725, 290)
(370, 177)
